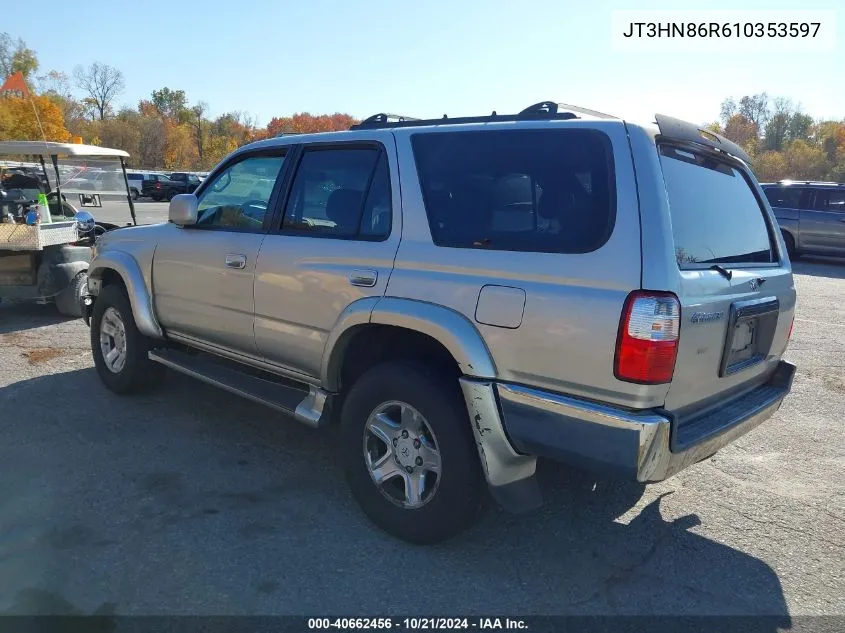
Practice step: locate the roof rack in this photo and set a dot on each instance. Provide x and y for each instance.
(810, 182)
(543, 111)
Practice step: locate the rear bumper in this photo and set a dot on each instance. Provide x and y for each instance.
(643, 445)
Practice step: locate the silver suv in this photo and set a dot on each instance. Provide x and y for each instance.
(464, 296)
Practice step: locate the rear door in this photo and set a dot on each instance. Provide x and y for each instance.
(735, 288)
(823, 222)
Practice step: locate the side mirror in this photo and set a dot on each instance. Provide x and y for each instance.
(183, 209)
(85, 222)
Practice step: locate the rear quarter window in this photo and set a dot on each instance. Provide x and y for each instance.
(716, 216)
(534, 190)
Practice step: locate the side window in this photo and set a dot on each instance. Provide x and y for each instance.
(818, 200)
(784, 197)
(543, 191)
(340, 192)
(834, 200)
(239, 196)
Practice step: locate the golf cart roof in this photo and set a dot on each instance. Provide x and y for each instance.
(45, 148)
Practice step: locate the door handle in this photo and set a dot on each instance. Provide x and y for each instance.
(235, 261)
(366, 278)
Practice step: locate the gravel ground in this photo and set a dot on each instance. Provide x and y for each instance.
(191, 500)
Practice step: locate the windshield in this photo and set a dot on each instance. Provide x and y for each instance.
(96, 184)
(716, 218)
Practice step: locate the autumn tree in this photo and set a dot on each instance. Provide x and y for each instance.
(170, 103)
(152, 144)
(771, 166)
(804, 161)
(124, 132)
(304, 123)
(101, 84)
(741, 130)
(33, 118)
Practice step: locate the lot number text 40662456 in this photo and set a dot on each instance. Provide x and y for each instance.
(418, 624)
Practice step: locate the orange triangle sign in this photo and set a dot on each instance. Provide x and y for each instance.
(15, 84)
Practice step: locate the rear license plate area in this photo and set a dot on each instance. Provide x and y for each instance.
(751, 329)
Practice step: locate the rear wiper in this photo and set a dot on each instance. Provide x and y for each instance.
(722, 271)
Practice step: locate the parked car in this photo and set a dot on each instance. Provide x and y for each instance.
(158, 187)
(811, 216)
(137, 180)
(99, 180)
(465, 295)
(186, 183)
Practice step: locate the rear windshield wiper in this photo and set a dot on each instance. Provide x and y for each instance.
(722, 271)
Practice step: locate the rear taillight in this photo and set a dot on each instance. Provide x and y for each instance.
(158, 185)
(647, 345)
(791, 325)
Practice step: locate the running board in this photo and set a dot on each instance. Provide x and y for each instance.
(306, 404)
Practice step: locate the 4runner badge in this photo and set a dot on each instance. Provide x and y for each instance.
(706, 317)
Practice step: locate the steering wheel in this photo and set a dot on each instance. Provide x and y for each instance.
(68, 210)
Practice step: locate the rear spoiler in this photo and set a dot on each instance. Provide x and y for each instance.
(678, 130)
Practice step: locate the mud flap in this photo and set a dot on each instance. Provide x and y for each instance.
(511, 476)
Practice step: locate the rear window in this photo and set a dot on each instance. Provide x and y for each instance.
(547, 191)
(716, 218)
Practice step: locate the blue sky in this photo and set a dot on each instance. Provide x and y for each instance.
(422, 59)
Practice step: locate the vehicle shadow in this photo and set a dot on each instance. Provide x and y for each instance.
(820, 267)
(190, 500)
(16, 317)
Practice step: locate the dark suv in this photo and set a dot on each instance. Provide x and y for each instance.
(184, 183)
(165, 187)
(811, 216)
(155, 186)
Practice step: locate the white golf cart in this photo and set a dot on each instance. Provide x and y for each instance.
(45, 249)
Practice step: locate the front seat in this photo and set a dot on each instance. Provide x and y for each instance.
(344, 209)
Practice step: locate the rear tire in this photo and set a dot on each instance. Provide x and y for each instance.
(431, 408)
(69, 300)
(119, 349)
(790, 245)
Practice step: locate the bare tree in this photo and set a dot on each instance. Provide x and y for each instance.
(727, 110)
(197, 123)
(756, 109)
(102, 83)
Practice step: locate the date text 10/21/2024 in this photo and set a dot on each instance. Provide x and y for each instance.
(417, 624)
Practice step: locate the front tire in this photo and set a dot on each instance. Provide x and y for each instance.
(119, 349)
(790, 245)
(409, 454)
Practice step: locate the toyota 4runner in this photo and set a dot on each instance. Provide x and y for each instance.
(464, 296)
